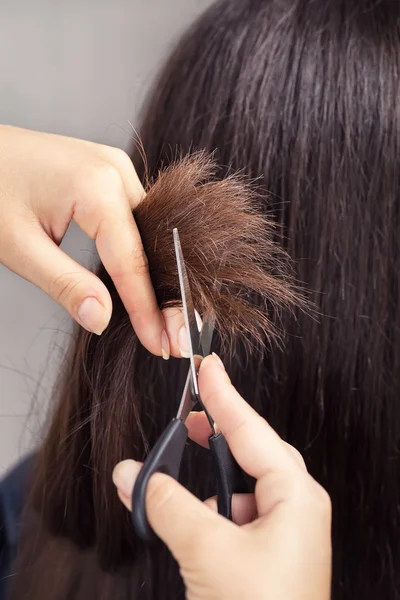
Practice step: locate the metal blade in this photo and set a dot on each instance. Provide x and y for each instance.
(195, 349)
(206, 336)
(207, 330)
(188, 400)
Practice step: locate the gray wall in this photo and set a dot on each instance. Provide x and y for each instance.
(79, 68)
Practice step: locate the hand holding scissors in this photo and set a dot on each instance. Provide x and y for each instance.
(279, 543)
(166, 456)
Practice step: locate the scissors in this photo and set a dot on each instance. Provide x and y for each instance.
(166, 455)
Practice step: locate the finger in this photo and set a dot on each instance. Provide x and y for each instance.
(296, 455)
(106, 216)
(124, 477)
(199, 431)
(199, 428)
(121, 251)
(122, 163)
(39, 260)
(244, 508)
(176, 331)
(255, 445)
(180, 519)
(133, 186)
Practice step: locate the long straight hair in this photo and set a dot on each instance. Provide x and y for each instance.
(303, 96)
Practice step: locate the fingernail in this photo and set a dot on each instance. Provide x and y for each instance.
(165, 350)
(124, 476)
(183, 342)
(93, 316)
(218, 361)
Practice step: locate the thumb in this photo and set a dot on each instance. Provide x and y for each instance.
(180, 519)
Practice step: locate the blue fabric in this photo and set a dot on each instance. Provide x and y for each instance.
(12, 495)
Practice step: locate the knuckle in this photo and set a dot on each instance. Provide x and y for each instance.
(107, 175)
(140, 263)
(120, 157)
(296, 455)
(322, 499)
(311, 495)
(99, 192)
(159, 491)
(100, 181)
(62, 288)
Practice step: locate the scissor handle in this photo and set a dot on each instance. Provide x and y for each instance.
(165, 457)
(230, 477)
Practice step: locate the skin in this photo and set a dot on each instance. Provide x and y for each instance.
(47, 181)
(279, 545)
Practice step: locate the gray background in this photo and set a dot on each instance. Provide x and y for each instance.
(79, 68)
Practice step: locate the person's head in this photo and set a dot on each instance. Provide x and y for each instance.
(302, 96)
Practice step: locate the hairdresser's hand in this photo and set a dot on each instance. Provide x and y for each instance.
(45, 182)
(280, 546)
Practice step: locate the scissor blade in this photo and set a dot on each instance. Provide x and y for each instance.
(195, 349)
(188, 400)
(207, 330)
(206, 336)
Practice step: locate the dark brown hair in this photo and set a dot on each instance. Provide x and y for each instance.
(304, 93)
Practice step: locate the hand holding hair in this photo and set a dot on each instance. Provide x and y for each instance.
(45, 182)
(280, 544)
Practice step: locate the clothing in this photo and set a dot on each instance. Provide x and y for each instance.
(12, 494)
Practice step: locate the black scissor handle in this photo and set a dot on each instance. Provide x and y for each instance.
(165, 457)
(230, 477)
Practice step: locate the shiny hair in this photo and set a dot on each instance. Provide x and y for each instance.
(302, 96)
